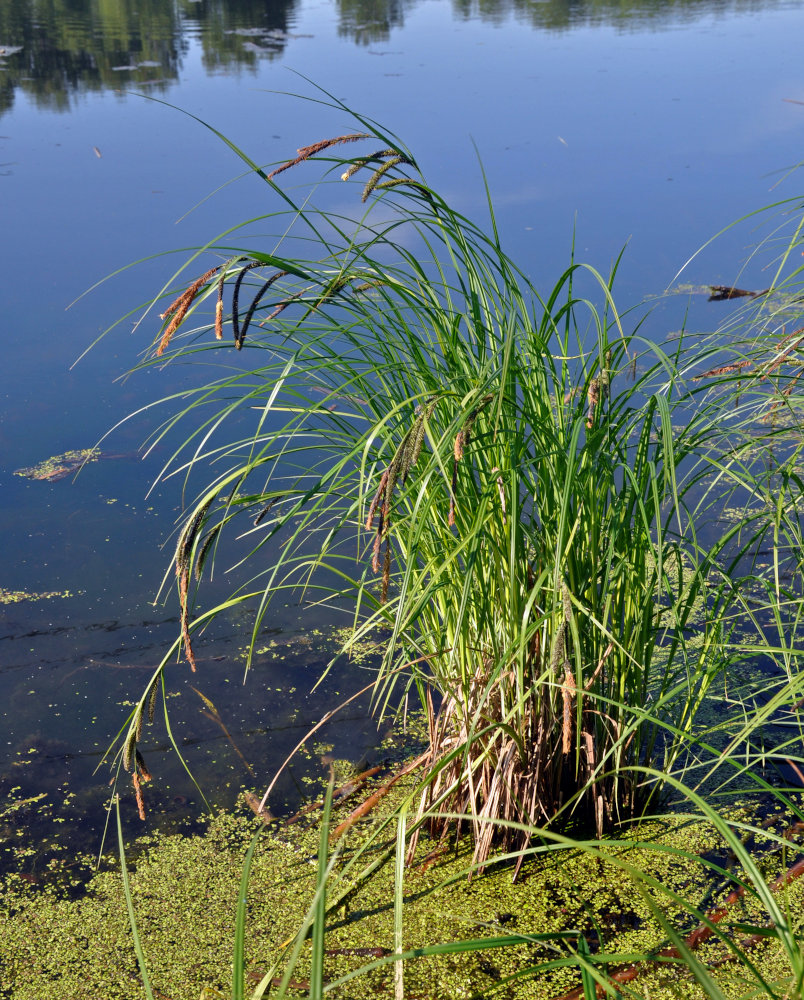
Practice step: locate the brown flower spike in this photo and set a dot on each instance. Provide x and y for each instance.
(180, 306)
(317, 147)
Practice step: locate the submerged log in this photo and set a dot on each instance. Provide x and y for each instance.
(721, 292)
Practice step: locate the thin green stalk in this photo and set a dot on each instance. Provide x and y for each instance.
(241, 914)
(399, 898)
(319, 909)
(132, 917)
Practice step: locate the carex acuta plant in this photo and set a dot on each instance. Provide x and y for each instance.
(418, 435)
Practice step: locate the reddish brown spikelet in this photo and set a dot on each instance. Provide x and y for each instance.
(792, 385)
(375, 503)
(180, 302)
(184, 579)
(458, 447)
(317, 147)
(723, 370)
(375, 558)
(568, 698)
(285, 303)
(382, 531)
(179, 307)
(175, 304)
(145, 774)
(386, 572)
(135, 778)
(783, 357)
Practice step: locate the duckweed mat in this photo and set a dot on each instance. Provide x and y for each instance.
(185, 893)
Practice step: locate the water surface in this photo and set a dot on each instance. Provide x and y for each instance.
(648, 124)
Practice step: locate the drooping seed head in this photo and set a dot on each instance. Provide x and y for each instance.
(377, 176)
(376, 501)
(145, 774)
(179, 308)
(568, 698)
(305, 152)
(135, 778)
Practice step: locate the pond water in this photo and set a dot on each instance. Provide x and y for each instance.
(650, 123)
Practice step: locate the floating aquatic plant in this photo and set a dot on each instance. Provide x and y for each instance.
(57, 467)
(15, 596)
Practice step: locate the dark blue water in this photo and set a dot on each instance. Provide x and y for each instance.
(654, 125)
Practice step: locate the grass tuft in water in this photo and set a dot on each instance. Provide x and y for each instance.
(482, 469)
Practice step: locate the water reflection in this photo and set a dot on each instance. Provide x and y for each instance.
(53, 52)
(369, 21)
(56, 51)
(565, 14)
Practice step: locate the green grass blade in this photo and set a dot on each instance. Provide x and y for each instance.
(132, 917)
(399, 900)
(320, 905)
(241, 913)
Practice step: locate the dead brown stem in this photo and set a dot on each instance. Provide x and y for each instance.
(214, 715)
(366, 807)
(340, 794)
(702, 933)
(252, 801)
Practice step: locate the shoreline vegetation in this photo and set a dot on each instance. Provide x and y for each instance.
(581, 549)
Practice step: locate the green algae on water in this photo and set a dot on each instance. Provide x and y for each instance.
(16, 596)
(59, 466)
